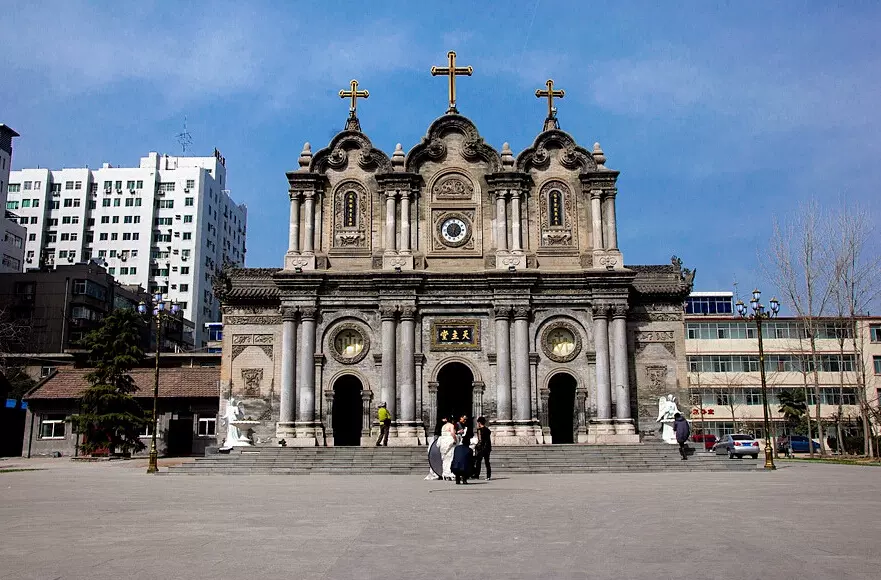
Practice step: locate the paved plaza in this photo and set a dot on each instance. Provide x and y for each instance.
(109, 520)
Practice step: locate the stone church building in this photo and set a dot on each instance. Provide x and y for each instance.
(453, 279)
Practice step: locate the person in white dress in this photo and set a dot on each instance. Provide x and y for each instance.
(446, 443)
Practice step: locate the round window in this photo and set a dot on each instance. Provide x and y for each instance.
(349, 343)
(561, 341)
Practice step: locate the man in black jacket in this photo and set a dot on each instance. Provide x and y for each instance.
(683, 430)
(483, 448)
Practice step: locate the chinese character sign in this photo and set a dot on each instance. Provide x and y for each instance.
(455, 335)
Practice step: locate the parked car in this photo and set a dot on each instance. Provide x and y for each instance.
(799, 444)
(708, 439)
(737, 445)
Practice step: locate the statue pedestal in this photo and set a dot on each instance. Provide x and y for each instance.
(243, 440)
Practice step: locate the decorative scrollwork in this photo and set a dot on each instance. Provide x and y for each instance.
(453, 186)
(572, 156)
(252, 379)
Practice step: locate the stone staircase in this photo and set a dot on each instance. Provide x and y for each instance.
(536, 459)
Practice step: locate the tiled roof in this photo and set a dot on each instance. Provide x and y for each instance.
(67, 383)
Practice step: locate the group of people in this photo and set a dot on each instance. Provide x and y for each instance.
(460, 462)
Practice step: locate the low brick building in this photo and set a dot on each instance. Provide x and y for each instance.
(188, 407)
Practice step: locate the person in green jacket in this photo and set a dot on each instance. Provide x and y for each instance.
(385, 422)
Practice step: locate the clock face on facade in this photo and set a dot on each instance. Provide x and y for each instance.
(454, 231)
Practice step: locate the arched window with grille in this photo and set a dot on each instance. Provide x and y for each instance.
(555, 208)
(350, 209)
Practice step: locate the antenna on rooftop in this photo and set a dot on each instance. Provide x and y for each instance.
(184, 138)
(736, 295)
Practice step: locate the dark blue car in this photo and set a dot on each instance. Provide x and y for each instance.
(799, 444)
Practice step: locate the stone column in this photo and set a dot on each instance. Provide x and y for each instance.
(478, 388)
(501, 221)
(596, 214)
(407, 419)
(294, 229)
(319, 220)
(503, 371)
(611, 233)
(523, 416)
(387, 386)
(516, 242)
(306, 384)
(432, 408)
(623, 421)
(328, 413)
(309, 223)
(288, 376)
(604, 378)
(390, 247)
(366, 416)
(405, 222)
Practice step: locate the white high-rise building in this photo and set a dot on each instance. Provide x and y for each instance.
(11, 233)
(165, 225)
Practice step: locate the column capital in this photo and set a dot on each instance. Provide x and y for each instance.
(387, 311)
(405, 194)
(294, 194)
(596, 193)
(390, 194)
(432, 387)
(500, 193)
(288, 313)
(522, 312)
(309, 195)
(501, 312)
(308, 312)
(516, 194)
(408, 311)
(610, 193)
(619, 310)
(600, 310)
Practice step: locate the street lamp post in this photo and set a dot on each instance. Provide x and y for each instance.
(758, 315)
(160, 309)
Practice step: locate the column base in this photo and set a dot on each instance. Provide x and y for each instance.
(624, 427)
(397, 262)
(503, 428)
(508, 260)
(605, 432)
(300, 262)
(285, 430)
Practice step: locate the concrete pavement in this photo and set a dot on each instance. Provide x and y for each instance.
(110, 520)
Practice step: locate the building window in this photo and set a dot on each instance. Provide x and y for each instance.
(68, 185)
(119, 184)
(207, 426)
(105, 202)
(126, 235)
(52, 426)
(191, 183)
(135, 235)
(114, 236)
(11, 205)
(166, 186)
(117, 202)
(16, 187)
(115, 219)
(78, 185)
(127, 219)
(723, 399)
(138, 202)
(164, 204)
(25, 203)
(188, 235)
(102, 236)
(105, 219)
(130, 184)
(146, 429)
(184, 287)
(188, 219)
(139, 184)
(184, 270)
(877, 361)
(189, 201)
(875, 332)
(32, 237)
(129, 202)
(132, 271)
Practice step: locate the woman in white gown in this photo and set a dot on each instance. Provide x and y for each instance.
(446, 443)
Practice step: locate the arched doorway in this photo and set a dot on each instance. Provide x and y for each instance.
(561, 408)
(347, 411)
(455, 393)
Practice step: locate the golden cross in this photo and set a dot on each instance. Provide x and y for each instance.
(550, 93)
(355, 94)
(452, 71)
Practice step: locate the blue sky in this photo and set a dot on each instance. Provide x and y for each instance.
(718, 115)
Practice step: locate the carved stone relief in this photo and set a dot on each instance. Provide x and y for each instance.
(252, 379)
(452, 186)
(267, 320)
(561, 341)
(238, 349)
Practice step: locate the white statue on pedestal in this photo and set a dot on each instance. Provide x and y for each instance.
(233, 415)
(667, 410)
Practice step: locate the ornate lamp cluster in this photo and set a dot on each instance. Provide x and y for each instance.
(758, 314)
(160, 309)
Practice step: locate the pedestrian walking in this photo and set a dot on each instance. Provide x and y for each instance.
(483, 448)
(385, 423)
(683, 430)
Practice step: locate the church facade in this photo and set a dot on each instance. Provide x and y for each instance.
(453, 279)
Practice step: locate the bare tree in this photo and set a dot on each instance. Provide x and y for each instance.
(801, 270)
(857, 287)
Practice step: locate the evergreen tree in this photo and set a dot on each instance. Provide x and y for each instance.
(793, 407)
(110, 417)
